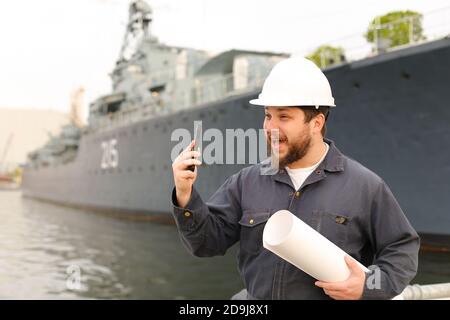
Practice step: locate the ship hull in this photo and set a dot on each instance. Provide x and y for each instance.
(392, 115)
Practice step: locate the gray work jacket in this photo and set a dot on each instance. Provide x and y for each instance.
(341, 199)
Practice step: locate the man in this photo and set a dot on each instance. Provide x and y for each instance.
(341, 199)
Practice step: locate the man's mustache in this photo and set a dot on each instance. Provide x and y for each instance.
(281, 138)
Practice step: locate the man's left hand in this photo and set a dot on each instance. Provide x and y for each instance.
(350, 289)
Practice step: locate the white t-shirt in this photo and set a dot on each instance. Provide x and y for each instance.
(298, 176)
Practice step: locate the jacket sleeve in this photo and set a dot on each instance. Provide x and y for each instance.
(209, 229)
(396, 246)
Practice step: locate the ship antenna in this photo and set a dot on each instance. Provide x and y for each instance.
(138, 28)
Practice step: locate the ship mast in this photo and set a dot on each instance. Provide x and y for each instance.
(138, 28)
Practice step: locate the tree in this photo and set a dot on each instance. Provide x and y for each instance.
(327, 55)
(395, 28)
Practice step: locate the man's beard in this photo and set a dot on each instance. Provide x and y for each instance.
(297, 149)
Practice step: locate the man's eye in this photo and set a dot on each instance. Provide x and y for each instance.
(267, 116)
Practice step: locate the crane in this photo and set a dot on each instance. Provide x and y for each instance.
(5, 150)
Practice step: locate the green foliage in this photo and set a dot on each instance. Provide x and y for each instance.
(327, 55)
(396, 27)
(17, 173)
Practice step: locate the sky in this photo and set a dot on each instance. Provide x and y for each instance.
(51, 47)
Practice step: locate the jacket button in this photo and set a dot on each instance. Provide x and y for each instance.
(340, 220)
(297, 194)
(251, 221)
(187, 214)
(318, 171)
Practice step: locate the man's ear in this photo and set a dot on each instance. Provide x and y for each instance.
(318, 122)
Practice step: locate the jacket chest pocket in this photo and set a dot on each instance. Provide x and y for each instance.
(333, 226)
(252, 227)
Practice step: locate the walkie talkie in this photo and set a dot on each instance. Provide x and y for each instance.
(196, 139)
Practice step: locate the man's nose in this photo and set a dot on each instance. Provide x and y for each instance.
(270, 125)
(273, 134)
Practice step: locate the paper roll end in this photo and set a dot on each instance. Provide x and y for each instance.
(277, 228)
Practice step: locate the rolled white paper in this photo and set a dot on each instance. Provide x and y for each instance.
(296, 242)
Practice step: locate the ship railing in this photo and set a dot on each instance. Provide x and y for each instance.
(225, 86)
(205, 91)
(435, 25)
(438, 291)
(213, 89)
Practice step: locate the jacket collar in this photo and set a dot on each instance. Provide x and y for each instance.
(333, 162)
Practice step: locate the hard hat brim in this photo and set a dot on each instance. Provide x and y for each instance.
(257, 102)
(262, 103)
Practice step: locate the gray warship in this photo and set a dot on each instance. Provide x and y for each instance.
(392, 115)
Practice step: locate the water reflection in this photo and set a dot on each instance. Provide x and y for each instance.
(53, 252)
(49, 251)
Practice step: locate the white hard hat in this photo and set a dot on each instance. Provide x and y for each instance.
(295, 81)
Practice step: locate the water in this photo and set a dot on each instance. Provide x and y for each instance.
(46, 249)
(53, 252)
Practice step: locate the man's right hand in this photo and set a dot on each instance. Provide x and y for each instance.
(183, 177)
